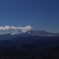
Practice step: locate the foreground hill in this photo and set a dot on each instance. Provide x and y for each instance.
(29, 47)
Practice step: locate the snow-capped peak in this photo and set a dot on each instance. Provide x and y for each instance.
(22, 30)
(26, 28)
(15, 30)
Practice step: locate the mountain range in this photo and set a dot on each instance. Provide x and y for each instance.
(28, 30)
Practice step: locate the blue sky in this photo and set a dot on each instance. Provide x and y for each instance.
(42, 14)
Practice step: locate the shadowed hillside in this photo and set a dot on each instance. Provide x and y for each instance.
(30, 47)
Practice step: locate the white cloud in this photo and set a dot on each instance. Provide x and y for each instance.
(4, 28)
(23, 29)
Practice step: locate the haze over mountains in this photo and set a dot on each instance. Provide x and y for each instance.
(27, 30)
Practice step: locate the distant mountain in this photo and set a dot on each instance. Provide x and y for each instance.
(41, 33)
(28, 30)
(35, 33)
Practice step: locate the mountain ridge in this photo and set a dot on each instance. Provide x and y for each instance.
(28, 30)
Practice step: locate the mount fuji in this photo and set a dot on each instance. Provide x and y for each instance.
(27, 30)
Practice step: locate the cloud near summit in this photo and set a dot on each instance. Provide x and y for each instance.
(23, 29)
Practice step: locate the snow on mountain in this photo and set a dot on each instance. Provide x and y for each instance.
(14, 30)
(22, 30)
(27, 30)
